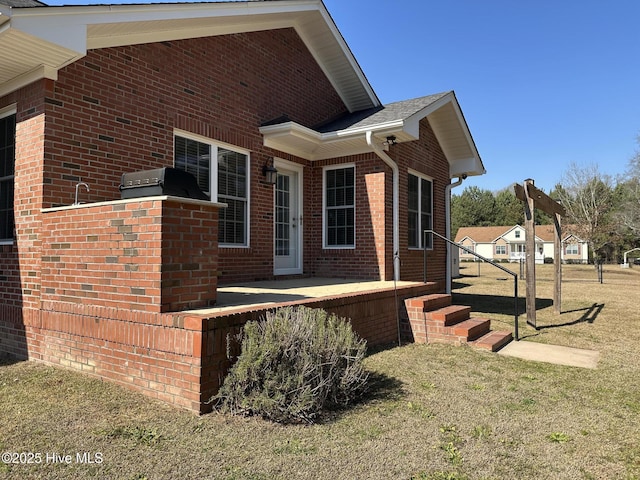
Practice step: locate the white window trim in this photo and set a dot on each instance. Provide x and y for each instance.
(6, 112)
(572, 246)
(325, 246)
(213, 180)
(415, 173)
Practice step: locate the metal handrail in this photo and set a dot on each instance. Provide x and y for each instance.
(484, 259)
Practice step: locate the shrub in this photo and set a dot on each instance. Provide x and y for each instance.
(294, 364)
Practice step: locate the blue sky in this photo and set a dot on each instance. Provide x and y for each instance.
(542, 83)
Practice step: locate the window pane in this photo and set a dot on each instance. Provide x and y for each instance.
(413, 193)
(194, 157)
(340, 206)
(231, 173)
(414, 234)
(232, 190)
(426, 225)
(425, 191)
(231, 168)
(420, 211)
(7, 166)
(232, 222)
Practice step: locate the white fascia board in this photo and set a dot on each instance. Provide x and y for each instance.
(67, 25)
(466, 166)
(413, 122)
(5, 14)
(291, 128)
(43, 71)
(328, 20)
(58, 30)
(291, 137)
(80, 28)
(380, 130)
(209, 20)
(307, 143)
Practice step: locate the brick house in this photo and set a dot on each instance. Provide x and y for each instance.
(227, 91)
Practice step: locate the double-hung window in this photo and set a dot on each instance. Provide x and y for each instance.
(7, 169)
(222, 173)
(340, 207)
(420, 211)
(572, 249)
(501, 249)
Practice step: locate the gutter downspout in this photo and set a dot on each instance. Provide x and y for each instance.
(447, 215)
(396, 201)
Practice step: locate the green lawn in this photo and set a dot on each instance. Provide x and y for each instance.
(435, 412)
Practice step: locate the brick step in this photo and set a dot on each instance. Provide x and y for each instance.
(493, 341)
(471, 329)
(436, 301)
(427, 303)
(449, 315)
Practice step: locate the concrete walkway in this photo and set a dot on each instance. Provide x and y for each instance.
(559, 355)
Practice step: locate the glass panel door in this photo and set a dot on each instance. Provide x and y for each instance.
(287, 223)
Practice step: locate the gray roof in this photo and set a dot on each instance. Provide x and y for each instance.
(22, 3)
(380, 115)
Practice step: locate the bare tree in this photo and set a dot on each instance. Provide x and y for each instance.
(629, 212)
(587, 196)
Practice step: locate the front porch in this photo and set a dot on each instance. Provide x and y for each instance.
(375, 309)
(273, 293)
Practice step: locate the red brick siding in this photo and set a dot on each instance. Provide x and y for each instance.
(115, 111)
(156, 354)
(149, 254)
(28, 187)
(372, 315)
(13, 339)
(425, 156)
(374, 241)
(10, 293)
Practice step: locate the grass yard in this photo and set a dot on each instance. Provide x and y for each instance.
(436, 412)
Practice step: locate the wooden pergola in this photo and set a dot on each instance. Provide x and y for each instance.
(534, 198)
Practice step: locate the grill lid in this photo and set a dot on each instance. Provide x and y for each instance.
(161, 181)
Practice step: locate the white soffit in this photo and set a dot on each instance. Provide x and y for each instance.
(444, 116)
(69, 31)
(453, 134)
(303, 142)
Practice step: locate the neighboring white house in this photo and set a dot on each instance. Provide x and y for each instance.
(507, 243)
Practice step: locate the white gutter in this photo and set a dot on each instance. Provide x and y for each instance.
(396, 201)
(447, 216)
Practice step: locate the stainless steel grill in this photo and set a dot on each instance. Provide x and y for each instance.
(161, 181)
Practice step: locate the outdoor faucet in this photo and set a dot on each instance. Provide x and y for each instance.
(77, 187)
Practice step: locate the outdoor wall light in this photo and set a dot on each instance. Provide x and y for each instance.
(270, 173)
(391, 140)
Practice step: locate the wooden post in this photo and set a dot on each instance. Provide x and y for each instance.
(534, 198)
(557, 263)
(530, 253)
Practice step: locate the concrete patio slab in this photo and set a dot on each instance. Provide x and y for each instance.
(556, 354)
(273, 292)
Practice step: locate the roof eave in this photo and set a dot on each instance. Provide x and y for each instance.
(76, 29)
(444, 116)
(452, 131)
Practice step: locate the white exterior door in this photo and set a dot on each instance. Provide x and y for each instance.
(288, 219)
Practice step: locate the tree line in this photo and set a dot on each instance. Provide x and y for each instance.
(601, 210)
